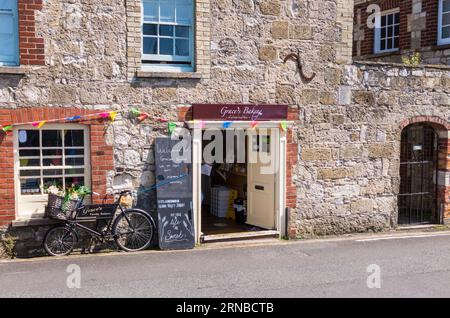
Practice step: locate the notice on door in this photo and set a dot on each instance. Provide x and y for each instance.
(174, 198)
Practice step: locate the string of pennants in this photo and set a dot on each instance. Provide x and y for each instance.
(111, 115)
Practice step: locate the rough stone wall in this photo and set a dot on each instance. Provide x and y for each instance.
(87, 65)
(348, 174)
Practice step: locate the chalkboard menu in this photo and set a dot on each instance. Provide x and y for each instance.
(174, 198)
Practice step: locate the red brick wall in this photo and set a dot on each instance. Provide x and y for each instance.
(430, 35)
(102, 159)
(31, 47)
(368, 44)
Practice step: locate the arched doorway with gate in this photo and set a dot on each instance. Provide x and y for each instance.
(417, 199)
(424, 192)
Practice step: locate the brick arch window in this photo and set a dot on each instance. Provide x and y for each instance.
(57, 154)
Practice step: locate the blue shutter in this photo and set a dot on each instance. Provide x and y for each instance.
(9, 39)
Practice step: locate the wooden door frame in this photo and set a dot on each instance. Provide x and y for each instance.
(280, 162)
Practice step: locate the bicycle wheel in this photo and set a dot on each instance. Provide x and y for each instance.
(59, 241)
(133, 230)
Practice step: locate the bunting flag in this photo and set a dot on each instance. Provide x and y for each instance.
(172, 127)
(227, 124)
(143, 116)
(6, 128)
(254, 123)
(201, 124)
(39, 124)
(135, 112)
(113, 115)
(104, 115)
(73, 118)
(284, 125)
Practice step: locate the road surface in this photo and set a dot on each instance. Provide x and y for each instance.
(412, 266)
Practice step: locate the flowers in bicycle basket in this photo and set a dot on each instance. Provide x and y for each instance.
(73, 193)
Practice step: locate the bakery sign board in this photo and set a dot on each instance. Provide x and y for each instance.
(239, 112)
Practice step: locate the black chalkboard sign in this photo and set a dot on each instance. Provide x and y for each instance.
(174, 198)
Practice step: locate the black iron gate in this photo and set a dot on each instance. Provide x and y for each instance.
(418, 175)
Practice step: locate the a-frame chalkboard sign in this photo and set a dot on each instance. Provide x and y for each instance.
(174, 198)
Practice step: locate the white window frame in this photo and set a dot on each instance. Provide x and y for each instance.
(377, 36)
(4, 61)
(441, 40)
(32, 206)
(167, 66)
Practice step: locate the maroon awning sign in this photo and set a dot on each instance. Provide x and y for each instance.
(239, 112)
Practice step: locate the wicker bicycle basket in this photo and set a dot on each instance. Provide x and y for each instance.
(58, 208)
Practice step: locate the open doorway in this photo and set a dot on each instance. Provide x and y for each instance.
(238, 188)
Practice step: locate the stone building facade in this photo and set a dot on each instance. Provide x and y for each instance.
(343, 147)
(422, 27)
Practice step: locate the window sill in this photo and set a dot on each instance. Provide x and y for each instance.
(33, 222)
(175, 75)
(13, 70)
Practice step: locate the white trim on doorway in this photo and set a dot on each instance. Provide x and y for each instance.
(280, 198)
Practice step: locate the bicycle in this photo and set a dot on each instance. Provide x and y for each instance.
(132, 229)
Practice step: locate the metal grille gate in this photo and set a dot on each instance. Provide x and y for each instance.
(418, 175)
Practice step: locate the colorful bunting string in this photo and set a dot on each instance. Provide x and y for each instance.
(254, 123)
(73, 118)
(171, 127)
(39, 124)
(227, 124)
(6, 128)
(284, 125)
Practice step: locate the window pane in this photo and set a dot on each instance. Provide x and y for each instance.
(397, 30)
(390, 19)
(48, 182)
(74, 138)
(150, 29)
(74, 152)
(383, 45)
(182, 32)
(30, 173)
(446, 6)
(74, 181)
(30, 162)
(7, 49)
(396, 42)
(52, 162)
(446, 32)
(383, 20)
(29, 138)
(74, 171)
(397, 18)
(150, 46)
(52, 152)
(51, 138)
(74, 161)
(52, 172)
(182, 47)
(167, 11)
(166, 46)
(184, 12)
(383, 33)
(30, 186)
(151, 10)
(390, 32)
(446, 19)
(166, 30)
(29, 153)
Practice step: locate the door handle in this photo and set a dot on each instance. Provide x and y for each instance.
(258, 187)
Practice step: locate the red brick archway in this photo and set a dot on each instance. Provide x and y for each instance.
(442, 128)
